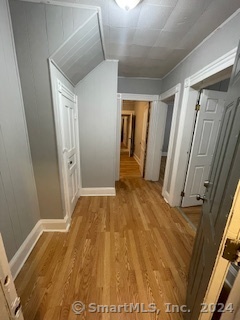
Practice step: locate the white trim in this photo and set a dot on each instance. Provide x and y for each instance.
(186, 122)
(137, 158)
(204, 40)
(224, 62)
(91, 192)
(156, 131)
(137, 97)
(173, 92)
(120, 98)
(58, 88)
(44, 225)
(140, 78)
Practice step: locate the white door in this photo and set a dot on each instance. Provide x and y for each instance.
(68, 119)
(203, 145)
(144, 140)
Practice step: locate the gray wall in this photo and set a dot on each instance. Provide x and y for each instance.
(220, 86)
(140, 86)
(19, 211)
(167, 128)
(97, 98)
(39, 30)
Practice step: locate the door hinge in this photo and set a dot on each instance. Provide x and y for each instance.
(232, 251)
(182, 194)
(197, 108)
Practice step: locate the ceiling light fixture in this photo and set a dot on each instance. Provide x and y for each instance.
(127, 4)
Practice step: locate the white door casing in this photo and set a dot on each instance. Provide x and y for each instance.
(203, 145)
(130, 120)
(155, 140)
(144, 140)
(69, 145)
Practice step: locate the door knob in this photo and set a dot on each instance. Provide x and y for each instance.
(199, 197)
(206, 183)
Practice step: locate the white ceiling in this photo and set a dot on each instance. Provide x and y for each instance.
(151, 39)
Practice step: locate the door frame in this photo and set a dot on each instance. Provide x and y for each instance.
(153, 158)
(186, 121)
(130, 97)
(57, 85)
(173, 92)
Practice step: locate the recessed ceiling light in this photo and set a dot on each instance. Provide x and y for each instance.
(127, 4)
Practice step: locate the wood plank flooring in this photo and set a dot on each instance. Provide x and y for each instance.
(193, 214)
(128, 166)
(132, 248)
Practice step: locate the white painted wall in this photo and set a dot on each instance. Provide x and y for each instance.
(19, 210)
(97, 102)
(139, 85)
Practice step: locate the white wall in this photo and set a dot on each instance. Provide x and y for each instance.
(139, 85)
(19, 210)
(97, 99)
(39, 29)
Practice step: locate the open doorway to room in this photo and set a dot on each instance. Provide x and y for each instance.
(208, 115)
(134, 134)
(170, 104)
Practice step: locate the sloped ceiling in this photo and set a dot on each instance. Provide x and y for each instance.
(82, 52)
(151, 39)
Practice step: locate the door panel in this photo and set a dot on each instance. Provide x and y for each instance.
(203, 146)
(224, 177)
(68, 125)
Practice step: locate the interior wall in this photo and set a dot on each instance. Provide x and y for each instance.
(39, 29)
(167, 127)
(222, 41)
(97, 99)
(19, 210)
(139, 108)
(139, 85)
(220, 86)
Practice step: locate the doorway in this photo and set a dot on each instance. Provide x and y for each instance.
(135, 117)
(170, 105)
(208, 114)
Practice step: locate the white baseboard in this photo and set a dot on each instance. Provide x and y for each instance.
(43, 225)
(136, 158)
(98, 192)
(164, 154)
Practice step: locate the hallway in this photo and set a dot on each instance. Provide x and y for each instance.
(123, 249)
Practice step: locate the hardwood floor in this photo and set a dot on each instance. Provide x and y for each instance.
(193, 214)
(132, 248)
(128, 167)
